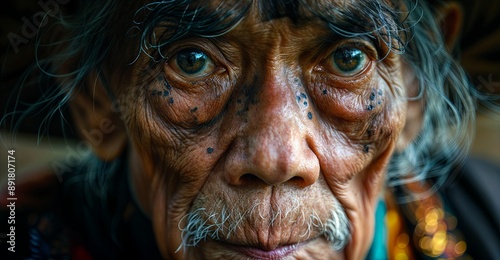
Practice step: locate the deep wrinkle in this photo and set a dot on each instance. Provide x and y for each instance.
(250, 90)
(376, 21)
(247, 87)
(341, 139)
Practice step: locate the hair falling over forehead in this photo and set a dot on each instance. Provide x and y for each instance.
(163, 22)
(407, 27)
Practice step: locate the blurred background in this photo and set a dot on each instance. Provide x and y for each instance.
(479, 52)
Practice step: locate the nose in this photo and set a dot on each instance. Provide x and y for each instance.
(273, 146)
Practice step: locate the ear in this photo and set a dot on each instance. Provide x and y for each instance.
(97, 121)
(450, 19)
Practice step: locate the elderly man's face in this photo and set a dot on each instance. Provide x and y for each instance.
(269, 141)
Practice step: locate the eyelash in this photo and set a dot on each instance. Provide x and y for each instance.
(325, 63)
(207, 49)
(366, 46)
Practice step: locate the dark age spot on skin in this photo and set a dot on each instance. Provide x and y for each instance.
(377, 100)
(210, 150)
(194, 109)
(309, 115)
(369, 132)
(165, 84)
(366, 148)
(303, 95)
(324, 91)
(298, 98)
(305, 103)
(156, 93)
(171, 100)
(164, 93)
(250, 93)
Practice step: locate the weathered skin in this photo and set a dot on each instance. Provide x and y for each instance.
(238, 137)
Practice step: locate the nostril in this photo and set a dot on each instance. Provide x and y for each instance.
(252, 179)
(298, 181)
(249, 178)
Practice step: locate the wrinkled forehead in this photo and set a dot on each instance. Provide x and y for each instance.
(213, 18)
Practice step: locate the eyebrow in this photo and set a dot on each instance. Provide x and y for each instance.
(164, 22)
(348, 18)
(368, 19)
(378, 21)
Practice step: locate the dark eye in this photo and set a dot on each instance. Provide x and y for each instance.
(348, 61)
(194, 62)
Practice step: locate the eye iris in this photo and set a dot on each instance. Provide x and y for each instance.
(191, 61)
(349, 60)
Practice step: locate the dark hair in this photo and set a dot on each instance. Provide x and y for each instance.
(408, 28)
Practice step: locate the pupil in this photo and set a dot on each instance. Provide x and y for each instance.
(191, 61)
(348, 59)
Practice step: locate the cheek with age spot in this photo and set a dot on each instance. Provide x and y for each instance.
(309, 115)
(194, 87)
(375, 99)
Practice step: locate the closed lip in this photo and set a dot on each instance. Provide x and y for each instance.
(258, 253)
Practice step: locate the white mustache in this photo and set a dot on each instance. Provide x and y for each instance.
(202, 224)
